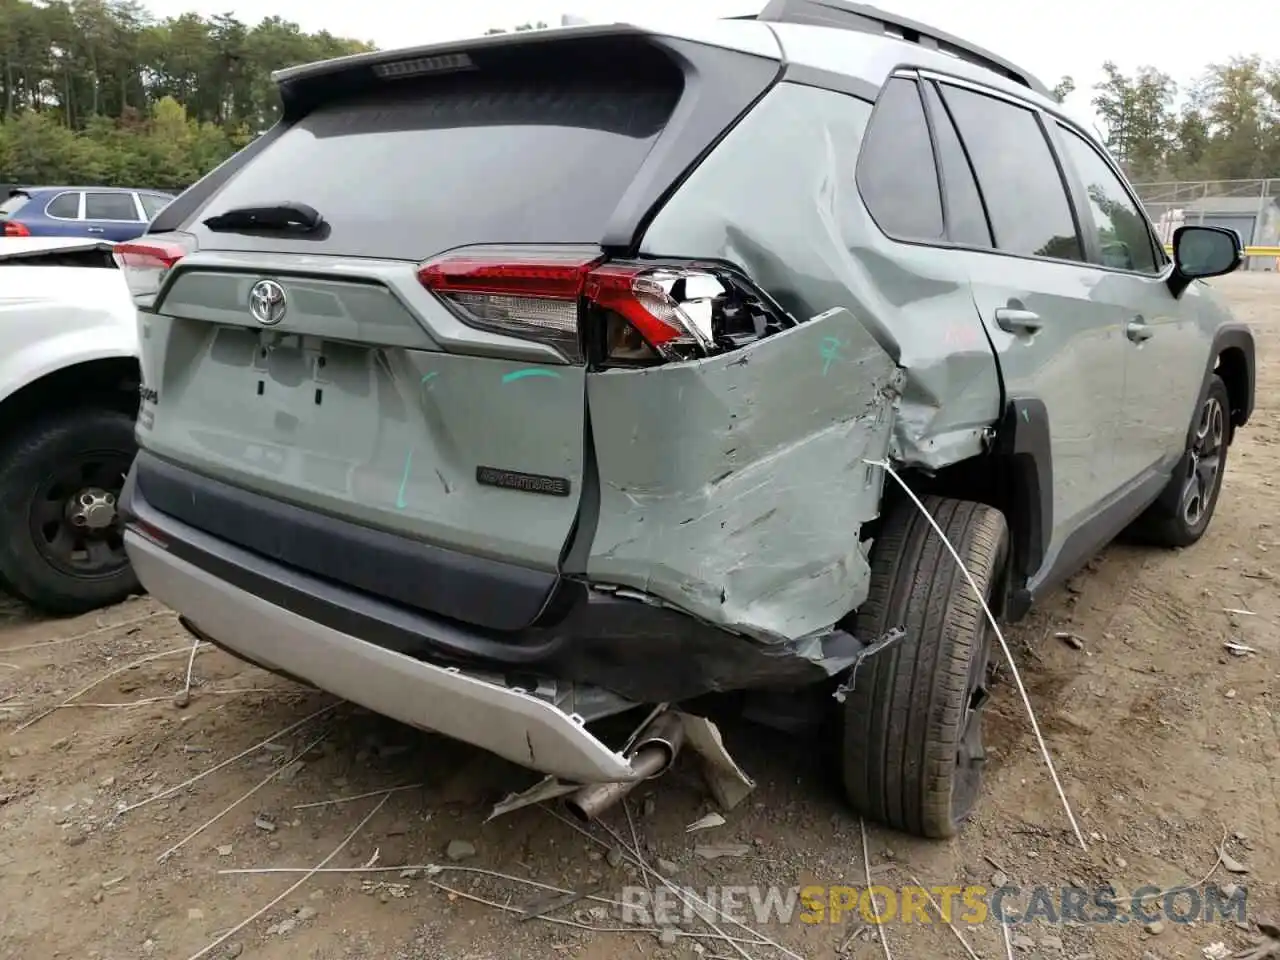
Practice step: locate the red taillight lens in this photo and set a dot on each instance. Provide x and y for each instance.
(642, 296)
(145, 264)
(537, 277)
(531, 296)
(14, 229)
(645, 312)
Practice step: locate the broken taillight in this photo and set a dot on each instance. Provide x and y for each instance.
(145, 263)
(619, 313)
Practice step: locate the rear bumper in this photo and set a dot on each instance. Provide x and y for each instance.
(615, 650)
(516, 725)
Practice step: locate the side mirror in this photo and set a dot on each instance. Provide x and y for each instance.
(1200, 252)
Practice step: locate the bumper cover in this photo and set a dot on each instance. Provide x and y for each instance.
(618, 646)
(516, 725)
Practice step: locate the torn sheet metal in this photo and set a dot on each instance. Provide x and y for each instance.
(739, 492)
(726, 780)
(869, 651)
(728, 784)
(548, 789)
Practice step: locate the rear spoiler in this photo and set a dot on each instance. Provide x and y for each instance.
(302, 87)
(30, 248)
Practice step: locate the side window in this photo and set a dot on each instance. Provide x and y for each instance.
(151, 204)
(109, 206)
(966, 219)
(1123, 236)
(896, 173)
(1027, 202)
(65, 206)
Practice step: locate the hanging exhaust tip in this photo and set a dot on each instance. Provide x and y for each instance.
(653, 754)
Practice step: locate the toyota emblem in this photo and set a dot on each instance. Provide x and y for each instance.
(267, 302)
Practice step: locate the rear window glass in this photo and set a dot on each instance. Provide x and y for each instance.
(65, 206)
(13, 204)
(408, 172)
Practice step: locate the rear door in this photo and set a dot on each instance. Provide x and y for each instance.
(1056, 339)
(60, 217)
(315, 366)
(112, 215)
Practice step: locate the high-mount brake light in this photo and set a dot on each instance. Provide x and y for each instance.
(145, 264)
(639, 313)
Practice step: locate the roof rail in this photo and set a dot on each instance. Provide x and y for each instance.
(847, 15)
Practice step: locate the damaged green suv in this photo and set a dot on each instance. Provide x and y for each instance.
(513, 383)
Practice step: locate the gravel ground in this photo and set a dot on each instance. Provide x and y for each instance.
(1165, 742)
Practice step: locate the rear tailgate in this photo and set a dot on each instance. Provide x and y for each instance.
(366, 399)
(9, 207)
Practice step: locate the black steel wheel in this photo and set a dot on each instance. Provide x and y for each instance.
(61, 539)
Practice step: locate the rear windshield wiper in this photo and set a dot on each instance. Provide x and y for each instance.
(285, 217)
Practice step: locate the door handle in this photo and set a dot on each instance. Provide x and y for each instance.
(1012, 320)
(1137, 330)
(95, 230)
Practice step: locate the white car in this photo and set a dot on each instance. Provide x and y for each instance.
(69, 382)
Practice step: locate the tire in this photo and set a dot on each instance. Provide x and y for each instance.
(43, 468)
(1171, 521)
(912, 741)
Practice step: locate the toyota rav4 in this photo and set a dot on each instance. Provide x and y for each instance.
(513, 383)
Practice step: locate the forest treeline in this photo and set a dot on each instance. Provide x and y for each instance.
(101, 91)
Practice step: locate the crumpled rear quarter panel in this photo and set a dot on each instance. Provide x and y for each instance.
(735, 487)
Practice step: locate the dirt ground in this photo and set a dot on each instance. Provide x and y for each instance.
(1165, 741)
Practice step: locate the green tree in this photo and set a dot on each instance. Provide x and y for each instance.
(1137, 113)
(1064, 88)
(100, 91)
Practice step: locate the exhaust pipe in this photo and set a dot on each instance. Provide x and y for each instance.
(653, 754)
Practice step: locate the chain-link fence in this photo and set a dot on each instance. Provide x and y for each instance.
(1250, 207)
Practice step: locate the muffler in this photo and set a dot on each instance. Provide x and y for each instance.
(652, 755)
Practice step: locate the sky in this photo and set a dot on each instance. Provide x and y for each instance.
(1048, 39)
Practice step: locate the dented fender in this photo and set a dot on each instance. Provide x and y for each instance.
(738, 488)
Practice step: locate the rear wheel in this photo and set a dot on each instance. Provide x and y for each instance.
(61, 540)
(1182, 514)
(912, 741)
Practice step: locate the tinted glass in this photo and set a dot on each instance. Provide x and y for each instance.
(896, 172)
(1123, 236)
(408, 171)
(151, 204)
(65, 205)
(1026, 200)
(966, 221)
(109, 206)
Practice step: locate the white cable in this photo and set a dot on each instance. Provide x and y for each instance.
(1013, 667)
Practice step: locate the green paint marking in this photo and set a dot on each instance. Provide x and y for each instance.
(829, 351)
(427, 376)
(532, 372)
(401, 503)
(1026, 415)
